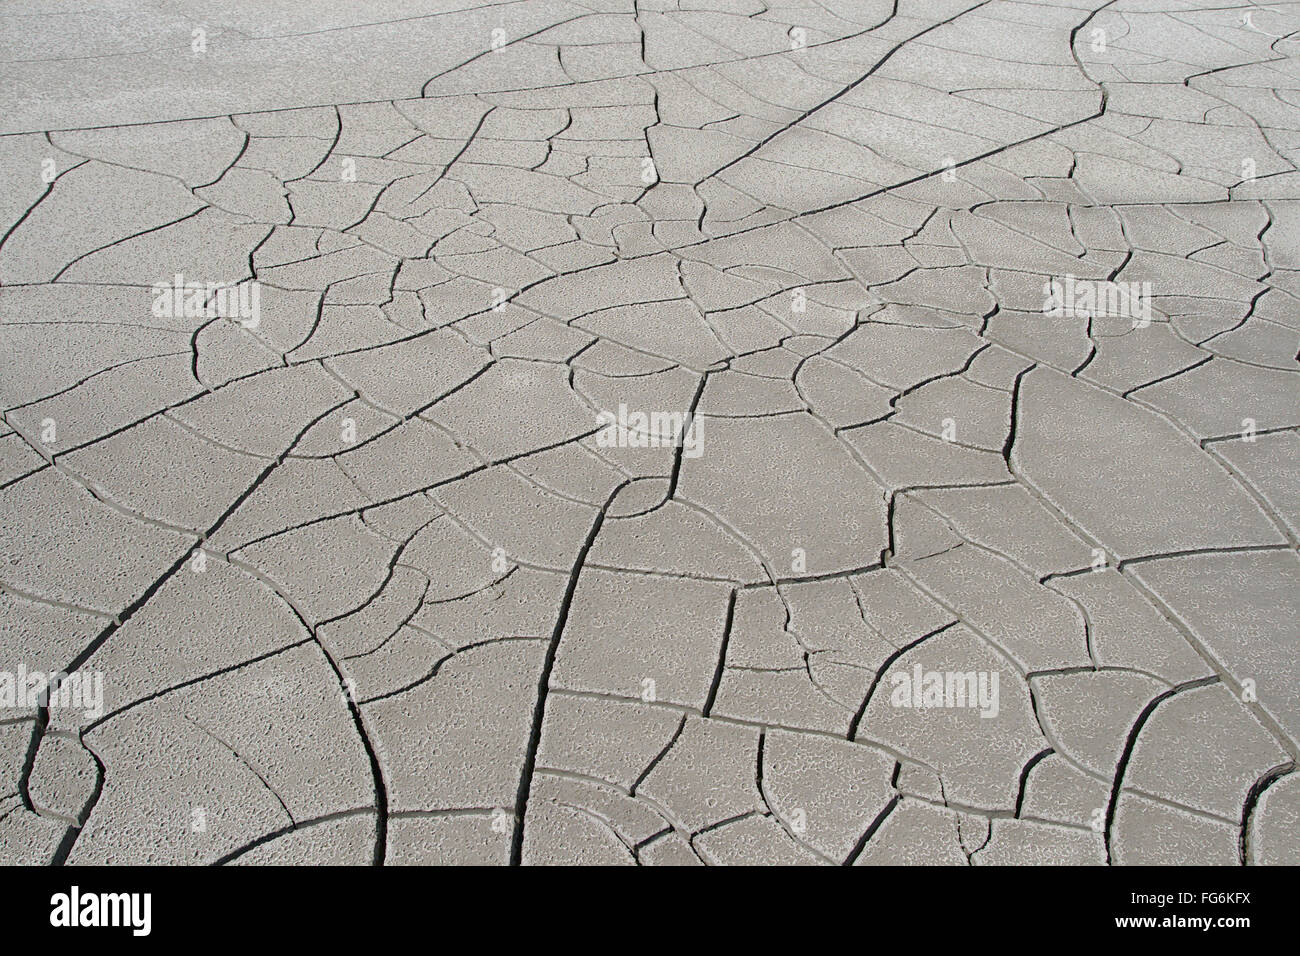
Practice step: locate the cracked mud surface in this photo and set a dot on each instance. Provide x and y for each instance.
(364, 578)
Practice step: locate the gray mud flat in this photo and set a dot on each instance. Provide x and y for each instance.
(587, 431)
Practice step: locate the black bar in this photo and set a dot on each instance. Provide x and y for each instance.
(475, 908)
